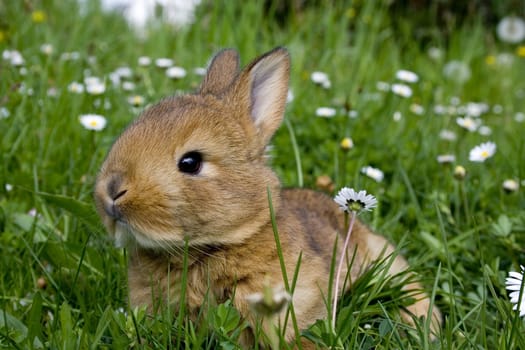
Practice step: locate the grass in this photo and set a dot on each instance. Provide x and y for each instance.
(63, 285)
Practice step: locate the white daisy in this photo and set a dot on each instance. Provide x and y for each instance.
(144, 61)
(407, 76)
(6, 54)
(511, 29)
(350, 200)
(139, 13)
(505, 59)
(457, 71)
(513, 284)
(114, 78)
(353, 114)
(200, 71)
(96, 89)
(320, 78)
(289, 96)
(481, 152)
(485, 130)
(469, 123)
(4, 113)
(14, 57)
(383, 86)
(452, 110)
(94, 85)
(164, 62)
(93, 121)
(511, 185)
(397, 116)
(497, 109)
(402, 90)
(76, 87)
(455, 101)
(440, 109)
(447, 135)
(519, 117)
(46, 49)
(446, 158)
(52, 92)
(417, 109)
(70, 56)
(123, 72)
(435, 53)
(175, 72)
(373, 173)
(128, 85)
(476, 109)
(325, 112)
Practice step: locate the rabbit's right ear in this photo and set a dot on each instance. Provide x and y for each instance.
(222, 70)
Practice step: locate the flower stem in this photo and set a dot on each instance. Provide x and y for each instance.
(340, 267)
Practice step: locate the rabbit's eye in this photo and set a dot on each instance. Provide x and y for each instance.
(191, 163)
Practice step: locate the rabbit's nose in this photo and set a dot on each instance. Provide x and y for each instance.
(114, 188)
(115, 192)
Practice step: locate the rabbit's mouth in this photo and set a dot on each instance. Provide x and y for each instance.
(126, 235)
(123, 235)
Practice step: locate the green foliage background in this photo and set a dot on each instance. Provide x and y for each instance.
(462, 237)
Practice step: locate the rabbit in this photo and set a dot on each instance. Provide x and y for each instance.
(191, 173)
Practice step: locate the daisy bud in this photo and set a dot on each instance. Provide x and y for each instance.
(460, 172)
(324, 183)
(346, 144)
(41, 283)
(510, 185)
(270, 302)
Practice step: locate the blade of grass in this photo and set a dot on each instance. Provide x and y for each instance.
(283, 266)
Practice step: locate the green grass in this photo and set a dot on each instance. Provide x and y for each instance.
(462, 237)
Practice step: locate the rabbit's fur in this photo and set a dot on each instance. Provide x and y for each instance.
(153, 207)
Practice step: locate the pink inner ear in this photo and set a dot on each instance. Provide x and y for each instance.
(268, 92)
(263, 95)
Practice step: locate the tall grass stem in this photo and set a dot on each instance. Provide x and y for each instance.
(340, 267)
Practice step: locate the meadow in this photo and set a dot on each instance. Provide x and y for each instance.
(382, 100)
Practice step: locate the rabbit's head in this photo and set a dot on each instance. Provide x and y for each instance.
(193, 167)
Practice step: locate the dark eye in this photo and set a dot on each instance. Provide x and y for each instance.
(191, 163)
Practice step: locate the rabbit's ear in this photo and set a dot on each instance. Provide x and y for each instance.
(264, 85)
(222, 70)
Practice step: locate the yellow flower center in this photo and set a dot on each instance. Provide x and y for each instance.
(347, 144)
(93, 123)
(38, 16)
(484, 154)
(490, 60)
(355, 205)
(350, 13)
(520, 51)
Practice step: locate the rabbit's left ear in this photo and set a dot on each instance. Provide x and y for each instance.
(263, 87)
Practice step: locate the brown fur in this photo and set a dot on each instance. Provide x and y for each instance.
(223, 212)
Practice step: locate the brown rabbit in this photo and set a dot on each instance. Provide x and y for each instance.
(193, 168)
